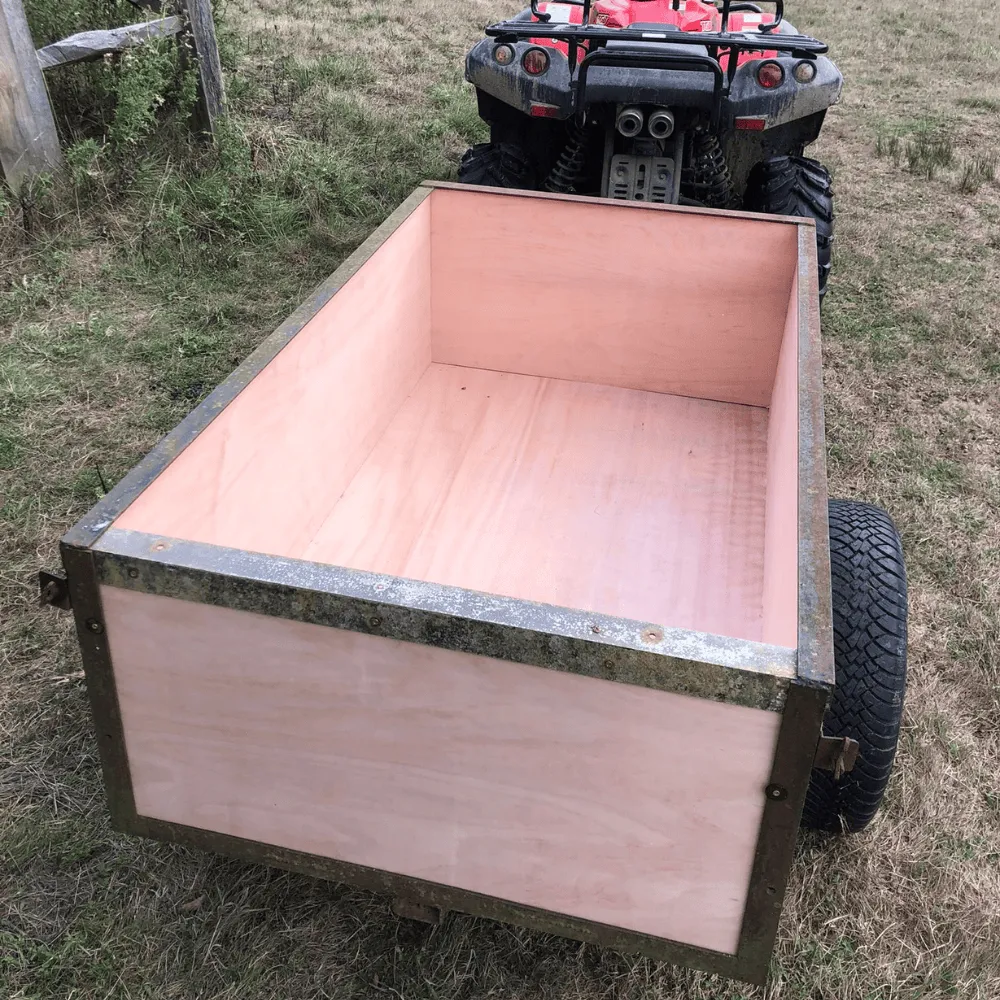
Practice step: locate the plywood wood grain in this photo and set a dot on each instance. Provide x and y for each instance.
(265, 473)
(622, 805)
(555, 449)
(781, 537)
(618, 501)
(671, 302)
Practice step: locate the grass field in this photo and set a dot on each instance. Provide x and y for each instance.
(161, 266)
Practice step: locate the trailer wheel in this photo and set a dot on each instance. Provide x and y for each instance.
(796, 185)
(501, 164)
(869, 637)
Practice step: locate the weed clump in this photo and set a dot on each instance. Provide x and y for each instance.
(928, 154)
(976, 172)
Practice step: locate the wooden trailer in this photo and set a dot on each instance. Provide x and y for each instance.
(496, 580)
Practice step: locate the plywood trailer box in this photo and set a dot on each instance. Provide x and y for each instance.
(497, 579)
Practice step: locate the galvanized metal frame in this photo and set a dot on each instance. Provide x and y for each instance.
(767, 677)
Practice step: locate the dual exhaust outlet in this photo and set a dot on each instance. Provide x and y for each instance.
(631, 120)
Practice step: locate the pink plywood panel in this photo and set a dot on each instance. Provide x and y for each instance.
(666, 301)
(617, 804)
(630, 503)
(780, 599)
(266, 471)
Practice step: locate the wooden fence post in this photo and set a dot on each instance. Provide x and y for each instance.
(211, 93)
(29, 143)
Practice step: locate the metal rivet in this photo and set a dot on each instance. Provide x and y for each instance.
(93, 625)
(652, 635)
(159, 546)
(596, 629)
(133, 572)
(374, 621)
(776, 793)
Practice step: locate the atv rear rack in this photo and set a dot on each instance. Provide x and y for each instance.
(596, 37)
(643, 60)
(728, 7)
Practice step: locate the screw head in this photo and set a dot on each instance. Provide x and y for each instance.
(776, 793)
(133, 573)
(93, 625)
(374, 621)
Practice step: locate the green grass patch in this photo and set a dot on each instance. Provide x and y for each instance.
(990, 104)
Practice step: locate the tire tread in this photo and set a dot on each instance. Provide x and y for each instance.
(500, 164)
(869, 634)
(798, 186)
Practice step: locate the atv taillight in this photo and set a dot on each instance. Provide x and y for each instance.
(539, 110)
(805, 71)
(504, 54)
(770, 74)
(535, 61)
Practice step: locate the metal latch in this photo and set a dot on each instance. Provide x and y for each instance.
(53, 588)
(838, 754)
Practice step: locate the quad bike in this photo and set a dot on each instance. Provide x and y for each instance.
(677, 101)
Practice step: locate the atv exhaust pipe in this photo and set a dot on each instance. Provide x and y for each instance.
(661, 124)
(630, 122)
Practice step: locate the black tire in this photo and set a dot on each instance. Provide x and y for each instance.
(869, 638)
(498, 165)
(796, 185)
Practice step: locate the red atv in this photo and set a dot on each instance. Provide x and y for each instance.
(678, 101)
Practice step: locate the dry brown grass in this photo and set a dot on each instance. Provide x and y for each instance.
(90, 371)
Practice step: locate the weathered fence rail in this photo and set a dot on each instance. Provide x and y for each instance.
(94, 44)
(29, 141)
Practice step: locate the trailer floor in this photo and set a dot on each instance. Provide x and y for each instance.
(619, 501)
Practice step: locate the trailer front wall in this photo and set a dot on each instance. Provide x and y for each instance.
(626, 806)
(601, 291)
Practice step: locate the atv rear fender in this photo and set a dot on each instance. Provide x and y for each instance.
(677, 86)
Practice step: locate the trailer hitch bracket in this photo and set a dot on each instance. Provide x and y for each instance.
(53, 589)
(838, 754)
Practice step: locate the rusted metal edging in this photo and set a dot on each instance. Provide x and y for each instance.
(805, 705)
(444, 898)
(705, 666)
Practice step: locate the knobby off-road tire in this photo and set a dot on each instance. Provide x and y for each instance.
(796, 185)
(498, 165)
(869, 637)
